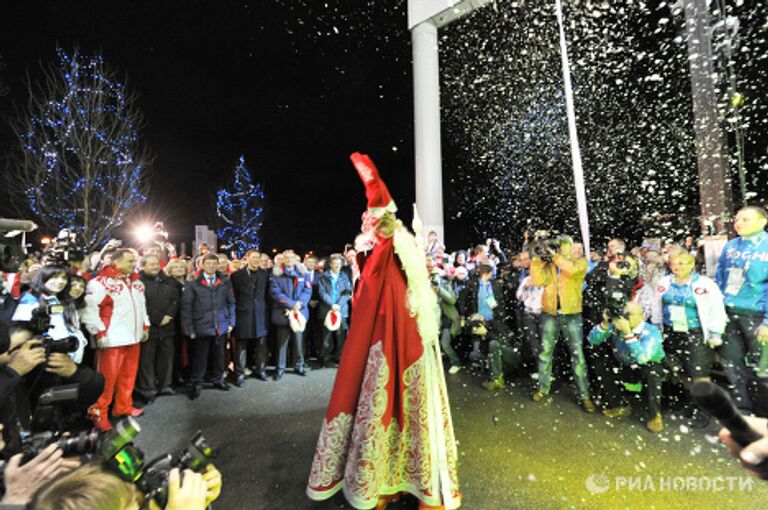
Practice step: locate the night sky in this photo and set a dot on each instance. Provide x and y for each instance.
(274, 82)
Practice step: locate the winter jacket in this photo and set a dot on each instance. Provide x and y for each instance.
(326, 295)
(468, 298)
(449, 315)
(206, 310)
(162, 296)
(751, 255)
(115, 308)
(642, 346)
(251, 289)
(709, 303)
(287, 288)
(562, 281)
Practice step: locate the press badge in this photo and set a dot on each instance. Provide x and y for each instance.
(678, 318)
(735, 280)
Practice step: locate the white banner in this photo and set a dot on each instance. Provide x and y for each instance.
(578, 171)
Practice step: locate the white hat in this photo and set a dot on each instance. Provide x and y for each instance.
(332, 320)
(297, 321)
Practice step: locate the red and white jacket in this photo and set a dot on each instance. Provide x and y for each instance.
(115, 311)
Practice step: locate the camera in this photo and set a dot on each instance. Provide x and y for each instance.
(67, 246)
(614, 306)
(544, 248)
(40, 324)
(153, 481)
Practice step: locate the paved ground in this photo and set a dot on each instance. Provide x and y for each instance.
(514, 454)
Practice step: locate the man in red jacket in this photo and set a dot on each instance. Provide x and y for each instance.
(116, 315)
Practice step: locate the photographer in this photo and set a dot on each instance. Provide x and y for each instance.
(31, 370)
(480, 302)
(562, 277)
(450, 324)
(94, 487)
(21, 482)
(637, 354)
(46, 309)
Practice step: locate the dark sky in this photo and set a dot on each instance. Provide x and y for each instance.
(273, 81)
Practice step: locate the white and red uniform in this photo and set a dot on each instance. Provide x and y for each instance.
(116, 314)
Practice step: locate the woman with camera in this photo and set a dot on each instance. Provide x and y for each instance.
(45, 309)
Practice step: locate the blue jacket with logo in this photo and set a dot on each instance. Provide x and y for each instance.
(751, 255)
(643, 346)
(287, 287)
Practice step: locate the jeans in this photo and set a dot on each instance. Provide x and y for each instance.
(531, 332)
(448, 350)
(571, 327)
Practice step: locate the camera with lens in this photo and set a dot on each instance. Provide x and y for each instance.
(66, 247)
(40, 324)
(614, 306)
(544, 248)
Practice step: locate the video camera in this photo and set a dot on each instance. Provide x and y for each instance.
(614, 306)
(12, 253)
(544, 248)
(66, 247)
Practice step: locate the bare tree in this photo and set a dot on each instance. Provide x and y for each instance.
(80, 164)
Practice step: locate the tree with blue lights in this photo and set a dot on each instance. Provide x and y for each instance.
(240, 208)
(81, 165)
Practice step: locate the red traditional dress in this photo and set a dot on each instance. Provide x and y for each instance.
(388, 426)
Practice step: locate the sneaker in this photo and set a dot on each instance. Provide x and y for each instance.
(538, 396)
(135, 412)
(454, 369)
(616, 412)
(494, 384)
(656, 424)
(588, 406)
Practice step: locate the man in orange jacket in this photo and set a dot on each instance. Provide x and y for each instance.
(562, 277)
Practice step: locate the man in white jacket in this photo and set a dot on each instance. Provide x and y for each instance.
(116, 315)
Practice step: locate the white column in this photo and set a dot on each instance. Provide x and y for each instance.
(426, 106)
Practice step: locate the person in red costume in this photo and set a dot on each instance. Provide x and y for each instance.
(388, 429)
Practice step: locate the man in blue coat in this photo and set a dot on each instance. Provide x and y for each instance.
(334, 291)
(207, 316)
(290, 290)
(250, 286)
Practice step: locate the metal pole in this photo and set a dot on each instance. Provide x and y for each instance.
(426, 107)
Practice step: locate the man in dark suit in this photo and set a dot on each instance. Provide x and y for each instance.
(250, 286)
(207, 316)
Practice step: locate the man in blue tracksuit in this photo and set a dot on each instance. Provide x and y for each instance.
(742, 275)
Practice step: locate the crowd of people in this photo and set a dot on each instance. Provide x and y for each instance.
(645, 320)
(128, 326)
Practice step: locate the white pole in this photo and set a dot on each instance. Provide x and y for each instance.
(426, 106)
(578, 171)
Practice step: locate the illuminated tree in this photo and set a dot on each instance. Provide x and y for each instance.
(81, 165)
(240, 208)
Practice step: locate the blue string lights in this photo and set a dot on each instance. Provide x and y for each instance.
(241, 210)
(83, 167)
